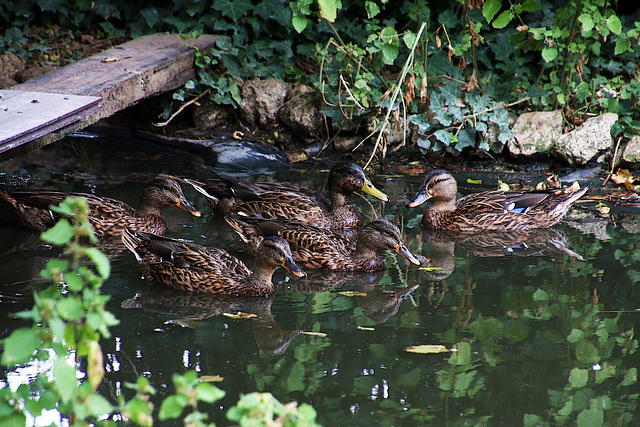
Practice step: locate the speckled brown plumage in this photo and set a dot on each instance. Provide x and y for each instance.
(190, 267)
(490, 210)
(319, 248)
(276, 201)
(109, 217)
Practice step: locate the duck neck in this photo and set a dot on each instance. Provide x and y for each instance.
(146, 206)
(339, 199)
(262, 275)
(443, 205)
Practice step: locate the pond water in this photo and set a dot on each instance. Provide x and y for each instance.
(540, 334)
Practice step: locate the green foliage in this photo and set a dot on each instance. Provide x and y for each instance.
(262, 409)
(460, 76)
(69, 318)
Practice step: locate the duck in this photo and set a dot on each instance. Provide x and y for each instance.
(187, 266)
(490, 210)
(108, 217)
(318, 248)
(265, 200)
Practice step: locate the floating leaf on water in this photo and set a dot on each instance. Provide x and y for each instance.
(474, 181)
(211, 378)
(429, 268)
(240, 315)
(503, 186)
(314, 334)
(427, 349)
(352, 294)
(364, 328)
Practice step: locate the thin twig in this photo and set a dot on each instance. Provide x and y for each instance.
(392, 101)
(613, 162)
(181, 109)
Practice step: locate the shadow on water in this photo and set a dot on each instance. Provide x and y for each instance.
(542, 322)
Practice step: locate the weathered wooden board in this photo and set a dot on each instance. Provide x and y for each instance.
(25, 116)
(122, 76)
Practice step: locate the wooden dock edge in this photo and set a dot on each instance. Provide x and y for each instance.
(121, 76)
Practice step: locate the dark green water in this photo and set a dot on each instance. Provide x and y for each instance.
(541, 336)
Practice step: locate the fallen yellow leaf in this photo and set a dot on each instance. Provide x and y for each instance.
(427, 349)
(352, 294)
(240, 315)
(314, 334)
(211, 378)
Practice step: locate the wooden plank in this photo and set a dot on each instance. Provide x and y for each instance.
(25, 116)
(123, 75)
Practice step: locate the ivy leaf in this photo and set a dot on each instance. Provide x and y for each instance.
(52, 5)
(234, 9)
(578, 378)
(503, 19)
(490, 8)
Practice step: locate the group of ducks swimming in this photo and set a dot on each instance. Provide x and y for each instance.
(289, 227)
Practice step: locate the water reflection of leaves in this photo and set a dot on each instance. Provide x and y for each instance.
(191, 307)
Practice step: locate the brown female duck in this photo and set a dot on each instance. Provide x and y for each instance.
(276, 201)
(109, 217)
(490, 210)
(320, 248)
(189, 267)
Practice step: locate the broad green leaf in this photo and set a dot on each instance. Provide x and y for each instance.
(614, 24)
(503, 19)
(14, 420)
(19, 346)
(591, 418)
(549, 53)
(172, 407)
(299, 23)
(587, 22)
(587, 353)
(103, 265)
(540, 295)
(70, 308)
(462, 355)
(608, 371)
(209, 393)
(59, 234)
(372, 9)
(623, 45)
(98, 405)
(490, 8)
(578, 378)
(295, 380)
(575, 336)
(329, 9)
(530, 6)
(427, 349)
(630, 378)
(234, 9)
(66, 382)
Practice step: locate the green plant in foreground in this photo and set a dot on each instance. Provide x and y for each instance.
(69, 318)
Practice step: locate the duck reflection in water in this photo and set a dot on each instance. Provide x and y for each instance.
(538, 242)
(191, 309)
(377, 304)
